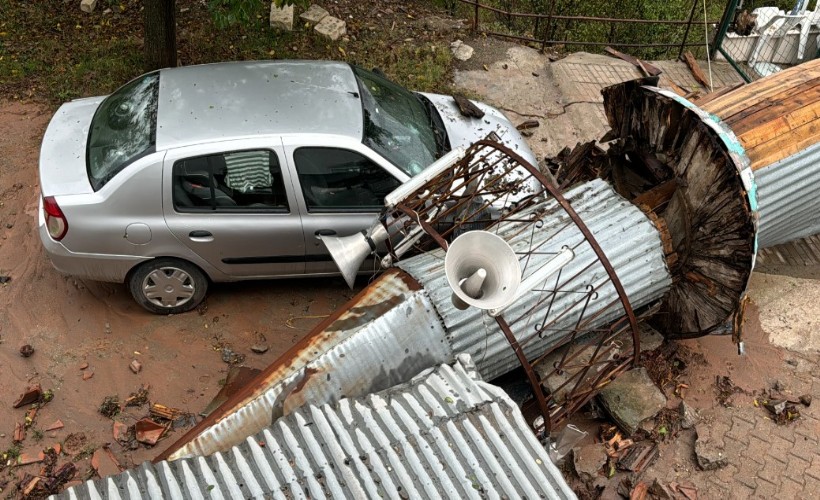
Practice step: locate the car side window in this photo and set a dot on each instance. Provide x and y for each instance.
(338, 180)
(226, 182)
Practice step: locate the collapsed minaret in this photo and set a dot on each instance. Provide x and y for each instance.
(629, 252)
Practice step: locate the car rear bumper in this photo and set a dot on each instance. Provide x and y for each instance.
(98, 267)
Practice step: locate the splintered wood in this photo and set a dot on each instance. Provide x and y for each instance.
(774, 117)
(666, 159)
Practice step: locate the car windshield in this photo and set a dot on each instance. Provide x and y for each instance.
(397, 124)
(123, 129)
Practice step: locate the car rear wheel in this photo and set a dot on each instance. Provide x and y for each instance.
(168, 286)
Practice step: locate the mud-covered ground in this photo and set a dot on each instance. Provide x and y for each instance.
(70, 322)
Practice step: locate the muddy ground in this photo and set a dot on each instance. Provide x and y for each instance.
(69, 322)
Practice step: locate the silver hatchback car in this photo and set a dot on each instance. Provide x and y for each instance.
(231, 171)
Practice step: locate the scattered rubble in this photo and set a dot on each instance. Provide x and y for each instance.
(688, 416)
(57, 425)
(32, 395)
(259, 348)
(104, 463)
(588, 461)
(631, 399)
(231, 357)
(88, 6)
(725, 390)
(467, 108)
(461, 51)
(83, 366)
(110, 407)
(149, 432)
(313, 15)
(709, 449)
(784, 409)
(138, 398)
(331, 28)
(135, 366)
(281, 18)
(26, 350)
(87, 374)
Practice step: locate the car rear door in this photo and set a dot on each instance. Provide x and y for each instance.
(339, 185)
(232, 203)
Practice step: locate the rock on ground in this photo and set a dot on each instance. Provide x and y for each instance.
(588, 460)
(632, 398)
(331, 27)
(461, 50)
(314, 15)
(88, 5)
(281, 18)
(709, 449)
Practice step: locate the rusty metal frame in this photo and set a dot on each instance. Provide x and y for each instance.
(428, 207)
(477, 7)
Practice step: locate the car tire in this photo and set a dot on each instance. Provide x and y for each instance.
(168, 286)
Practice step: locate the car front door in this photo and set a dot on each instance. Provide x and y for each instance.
(233, 205)
(340, 188)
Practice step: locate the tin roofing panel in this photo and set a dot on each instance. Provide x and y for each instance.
(628, 238)
(788, 201)
(444, 434)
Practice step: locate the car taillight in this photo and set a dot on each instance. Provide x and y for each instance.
(56, 222)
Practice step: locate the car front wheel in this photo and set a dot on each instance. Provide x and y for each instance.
(168, 286)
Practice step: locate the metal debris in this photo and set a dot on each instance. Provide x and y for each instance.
(443, 434)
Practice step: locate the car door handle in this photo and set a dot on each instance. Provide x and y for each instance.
(325, 232)
(200, 234)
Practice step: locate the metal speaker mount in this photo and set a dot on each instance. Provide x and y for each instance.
(349, 252)
(482, 270)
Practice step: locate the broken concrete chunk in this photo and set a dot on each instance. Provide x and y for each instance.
(32, 395)
(688, 417)
(588, 460)
(314, 15)
(135, 366)
(461, 50)
(709, 449)
(631, 399)
(331, 27)
(88, 6)
(281, 18)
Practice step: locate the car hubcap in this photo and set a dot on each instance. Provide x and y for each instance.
(168, 287)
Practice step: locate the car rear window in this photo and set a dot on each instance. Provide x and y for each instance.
(123, 129)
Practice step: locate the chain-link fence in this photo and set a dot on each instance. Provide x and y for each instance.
(762, 37)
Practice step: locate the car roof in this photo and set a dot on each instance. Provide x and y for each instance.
(212, 102)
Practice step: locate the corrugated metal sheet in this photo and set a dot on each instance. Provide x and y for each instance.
(352, 356)
(373, 345)
(445, 434)
(628, 238)
(789, 205)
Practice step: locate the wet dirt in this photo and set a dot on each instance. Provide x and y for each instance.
(70, 322)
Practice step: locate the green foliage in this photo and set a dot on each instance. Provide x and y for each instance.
(592, 35)
(231, 12)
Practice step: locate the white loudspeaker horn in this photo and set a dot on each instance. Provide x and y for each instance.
(482, 270)
(349, 252)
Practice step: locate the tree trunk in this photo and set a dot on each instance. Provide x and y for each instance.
(160, 34)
